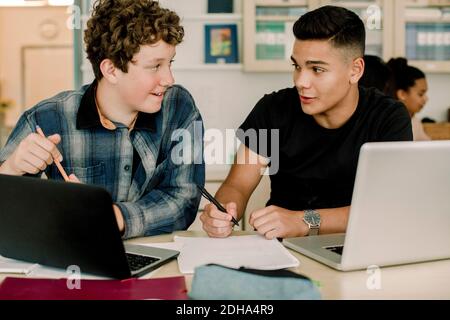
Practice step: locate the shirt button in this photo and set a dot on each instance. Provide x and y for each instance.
(127, 168)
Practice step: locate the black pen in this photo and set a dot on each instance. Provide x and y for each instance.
(210, 198)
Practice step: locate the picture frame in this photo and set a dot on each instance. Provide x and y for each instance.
(221, 44)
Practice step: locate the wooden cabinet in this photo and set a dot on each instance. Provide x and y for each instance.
(416, 29)
(437, 131)
(422, 29)
(268, 36)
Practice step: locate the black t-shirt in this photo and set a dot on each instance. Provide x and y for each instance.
(317, 166)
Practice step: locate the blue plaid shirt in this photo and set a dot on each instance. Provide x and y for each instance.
(159, 195)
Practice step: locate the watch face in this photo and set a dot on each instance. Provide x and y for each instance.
(312, 217)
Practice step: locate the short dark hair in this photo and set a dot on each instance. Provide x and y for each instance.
(376, 73)
(403, 77)
(342, 27)
(118, 28)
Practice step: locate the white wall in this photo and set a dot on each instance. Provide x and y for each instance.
(226, 97)
(439, 97)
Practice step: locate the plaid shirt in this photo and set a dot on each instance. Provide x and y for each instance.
(161, 196)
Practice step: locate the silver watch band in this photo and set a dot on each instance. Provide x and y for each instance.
(313, 231)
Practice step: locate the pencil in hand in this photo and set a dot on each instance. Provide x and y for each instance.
(210, 198)
(58, 165)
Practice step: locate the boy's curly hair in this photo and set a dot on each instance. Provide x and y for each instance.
(117, 29)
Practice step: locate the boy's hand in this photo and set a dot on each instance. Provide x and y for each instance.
(119, 218)
(33, 155)
(216, 223)
(73, 178)
(275, 222)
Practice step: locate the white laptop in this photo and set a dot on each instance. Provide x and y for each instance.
(400, 211)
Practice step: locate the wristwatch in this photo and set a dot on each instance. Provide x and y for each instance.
(312, 219)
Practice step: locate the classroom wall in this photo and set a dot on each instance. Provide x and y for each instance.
(226, 97)
(23, 27)
(439, 97)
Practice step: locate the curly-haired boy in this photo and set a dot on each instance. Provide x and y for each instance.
(122, 132)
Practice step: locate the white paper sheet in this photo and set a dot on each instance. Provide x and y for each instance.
(15, 266)
(243, 251)
(34, 270)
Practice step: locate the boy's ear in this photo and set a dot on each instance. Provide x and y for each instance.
(357, 70)
(109, 71)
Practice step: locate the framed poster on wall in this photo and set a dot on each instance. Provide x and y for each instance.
(221, 44)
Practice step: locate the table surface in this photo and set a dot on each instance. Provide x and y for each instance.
(427, 280)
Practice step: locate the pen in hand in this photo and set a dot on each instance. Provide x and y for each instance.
(58, 165)
(210, 198)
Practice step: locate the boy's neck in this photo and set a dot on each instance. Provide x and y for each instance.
(337, 116)
(110, 106)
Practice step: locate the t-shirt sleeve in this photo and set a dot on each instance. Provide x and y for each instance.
(397, 126)
(255, 131)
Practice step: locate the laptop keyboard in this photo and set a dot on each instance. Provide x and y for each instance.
(336, 249)
(137, 262)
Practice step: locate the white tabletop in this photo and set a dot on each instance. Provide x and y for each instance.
(428, 280)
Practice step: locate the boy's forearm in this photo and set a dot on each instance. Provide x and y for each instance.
(334, 220)
(227, 193)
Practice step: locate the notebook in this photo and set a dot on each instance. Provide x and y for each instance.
(173, 288)
(62, 225)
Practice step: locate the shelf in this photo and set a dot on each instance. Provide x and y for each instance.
(427, 20)
(283, 3)
(276, 18)
(214, 17)
(431, 66)
(354, 4)
(427, 3)
(209, 67)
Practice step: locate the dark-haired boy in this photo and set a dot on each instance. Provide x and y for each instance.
(124, 131)
(322, 121)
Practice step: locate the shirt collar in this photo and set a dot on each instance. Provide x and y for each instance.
(89, 116)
